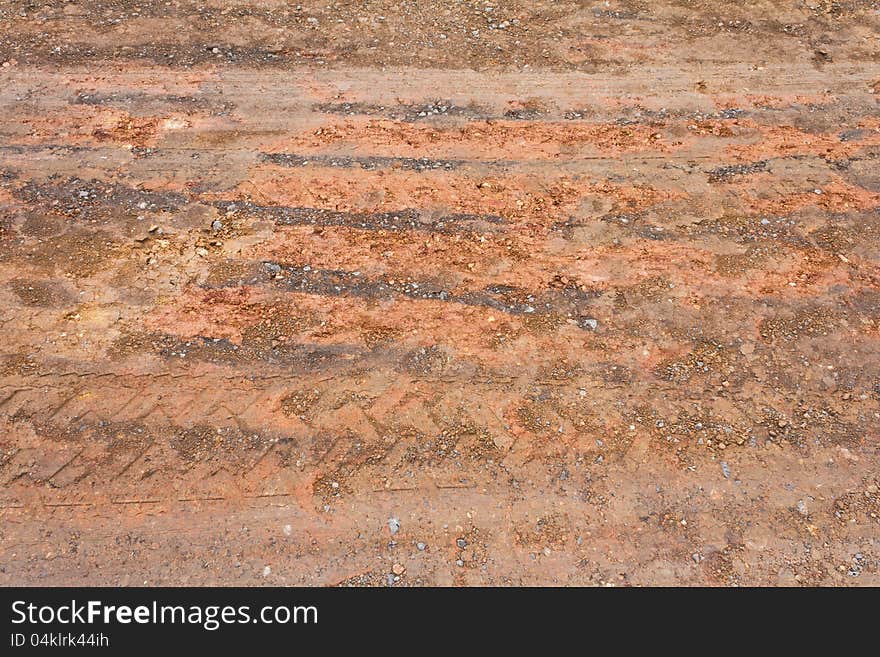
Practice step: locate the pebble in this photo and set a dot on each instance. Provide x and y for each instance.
(421, 546)
(725, 469)
(216, 224)
(802, 507)
(461, 543)
(393, 525)
(267, 571)
(591, 324)
(398, 569)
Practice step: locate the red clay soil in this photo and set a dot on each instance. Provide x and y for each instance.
(464, 293)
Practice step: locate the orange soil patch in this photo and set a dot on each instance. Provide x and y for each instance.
(783, 141)
(836, 196)
(490, 139)
(516, 197)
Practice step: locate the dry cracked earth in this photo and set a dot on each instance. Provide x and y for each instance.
(463, 293)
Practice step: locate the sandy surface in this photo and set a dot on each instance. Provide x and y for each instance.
(375, 293)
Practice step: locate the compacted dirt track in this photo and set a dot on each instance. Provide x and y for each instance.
(417, 293)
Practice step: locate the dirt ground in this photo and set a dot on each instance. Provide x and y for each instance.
(419, 293)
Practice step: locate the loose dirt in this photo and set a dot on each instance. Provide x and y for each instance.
(465, 293)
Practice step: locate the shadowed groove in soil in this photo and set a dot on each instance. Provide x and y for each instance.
(571, 301)
(145, 102)
(724, 174)
(86, 198)
(408, 113)
(303, 357)
(406, 219)
(366, 163)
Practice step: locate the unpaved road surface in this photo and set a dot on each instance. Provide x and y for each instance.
(461, 293)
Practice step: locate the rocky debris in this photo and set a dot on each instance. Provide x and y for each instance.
(367, 163)
(459, 287)
(508, 299)
(588, 323)
(728, 173)
(406, 219)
